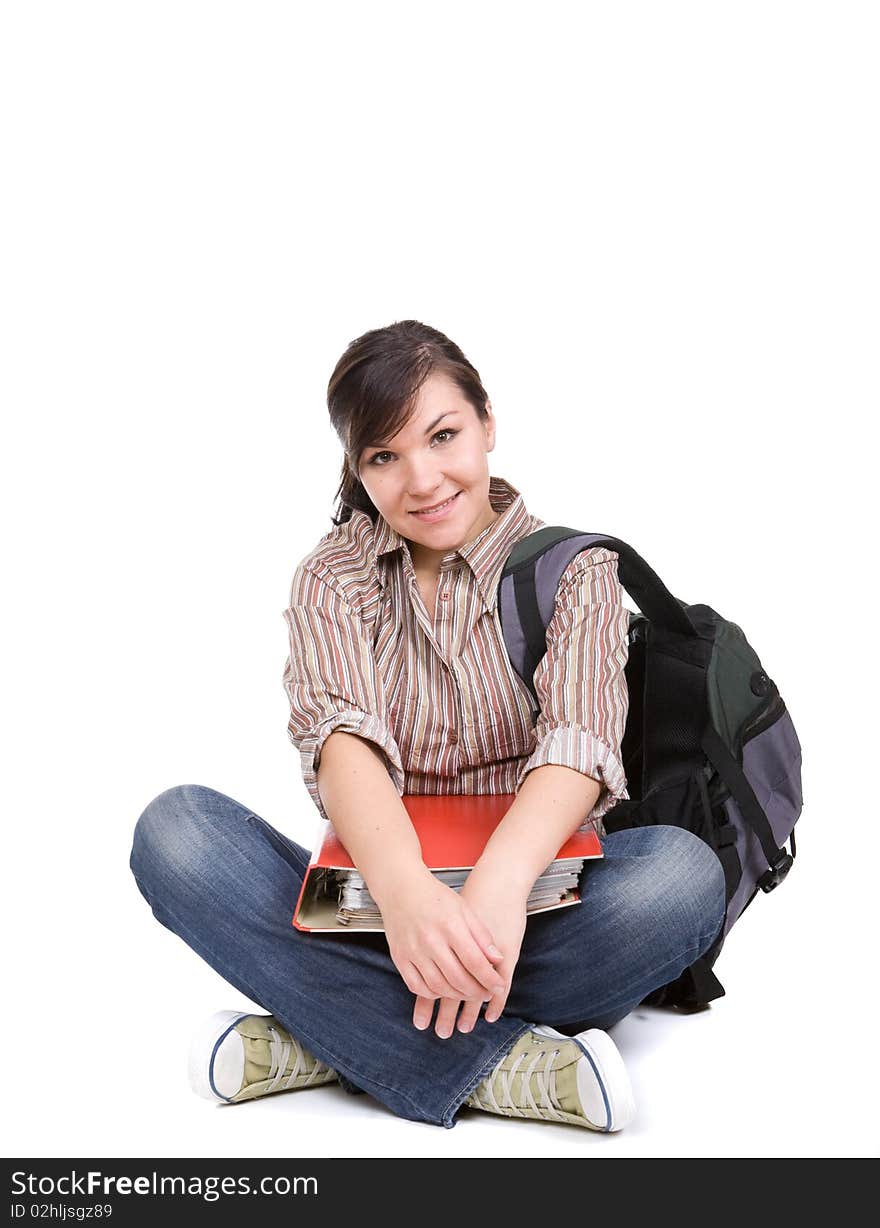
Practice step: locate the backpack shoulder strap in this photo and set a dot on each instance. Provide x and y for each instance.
(555, 545)
(530, 579)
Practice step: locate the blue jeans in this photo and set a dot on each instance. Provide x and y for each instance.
(224, 881)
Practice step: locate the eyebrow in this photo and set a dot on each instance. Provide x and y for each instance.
(430, 428)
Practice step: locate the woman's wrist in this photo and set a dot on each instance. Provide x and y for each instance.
(499, 876)
(397, 878)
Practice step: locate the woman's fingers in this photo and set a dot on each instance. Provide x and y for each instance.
(446, 1016)
(415, 982)
(482, 935)
(471, 971)
(423, 1012)
(467, 1011)
(429, 980)
(484, 975)
(434, 979)
(442, 949)
(496, 1004)
(470, 1013)
(459, 982)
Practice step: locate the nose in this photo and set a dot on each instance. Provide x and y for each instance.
(424, 481)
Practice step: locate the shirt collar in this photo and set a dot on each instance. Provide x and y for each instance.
(485, 555)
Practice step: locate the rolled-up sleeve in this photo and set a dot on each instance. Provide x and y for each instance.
(581, 683)
(331, 679)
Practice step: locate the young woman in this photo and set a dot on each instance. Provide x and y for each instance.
(399, 682)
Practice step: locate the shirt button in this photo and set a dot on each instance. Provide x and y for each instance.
(444, 596)
(453, 738)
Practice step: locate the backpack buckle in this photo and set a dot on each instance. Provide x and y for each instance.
(777, 872)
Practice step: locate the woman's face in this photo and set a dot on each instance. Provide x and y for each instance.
(429, 461)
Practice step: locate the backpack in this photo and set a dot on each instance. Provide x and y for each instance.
(709, 744)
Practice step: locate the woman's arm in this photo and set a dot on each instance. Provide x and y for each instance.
(580, 683)
(438, 944)
(331, 679)
(551, 805)
(574, 774)
(368, 815)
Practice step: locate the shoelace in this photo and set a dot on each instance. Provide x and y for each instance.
(546, 1080)
(280, 1052)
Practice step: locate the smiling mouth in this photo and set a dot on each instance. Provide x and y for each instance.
(437, 506)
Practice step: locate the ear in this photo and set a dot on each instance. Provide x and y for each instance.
(489, 427)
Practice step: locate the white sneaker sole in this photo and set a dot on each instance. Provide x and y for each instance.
(216, 1057)
(604, 1086)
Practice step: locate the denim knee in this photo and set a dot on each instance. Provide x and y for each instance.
(172, 832)
(694, 889)
(672, 890)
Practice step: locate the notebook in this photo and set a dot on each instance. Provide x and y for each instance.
(453, 831)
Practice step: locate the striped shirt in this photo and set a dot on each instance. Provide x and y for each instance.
(439, 697)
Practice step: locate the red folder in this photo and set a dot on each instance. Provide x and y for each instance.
(452, 829)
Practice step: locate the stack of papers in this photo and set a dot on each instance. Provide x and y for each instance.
(356, 907)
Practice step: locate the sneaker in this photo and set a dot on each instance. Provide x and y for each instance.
(553, 1077)
(234, 1056)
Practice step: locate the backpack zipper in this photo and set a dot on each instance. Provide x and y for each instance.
(762, 719)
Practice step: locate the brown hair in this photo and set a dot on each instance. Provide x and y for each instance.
(372, 394)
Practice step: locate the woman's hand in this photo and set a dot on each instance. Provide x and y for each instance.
(503, 910)
(438, 944)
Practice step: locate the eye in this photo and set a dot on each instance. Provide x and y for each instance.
(375, 458)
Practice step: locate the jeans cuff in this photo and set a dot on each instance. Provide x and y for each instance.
(488, 1066)
(351, 1088)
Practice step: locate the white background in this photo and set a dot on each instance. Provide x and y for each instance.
(653, 229)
